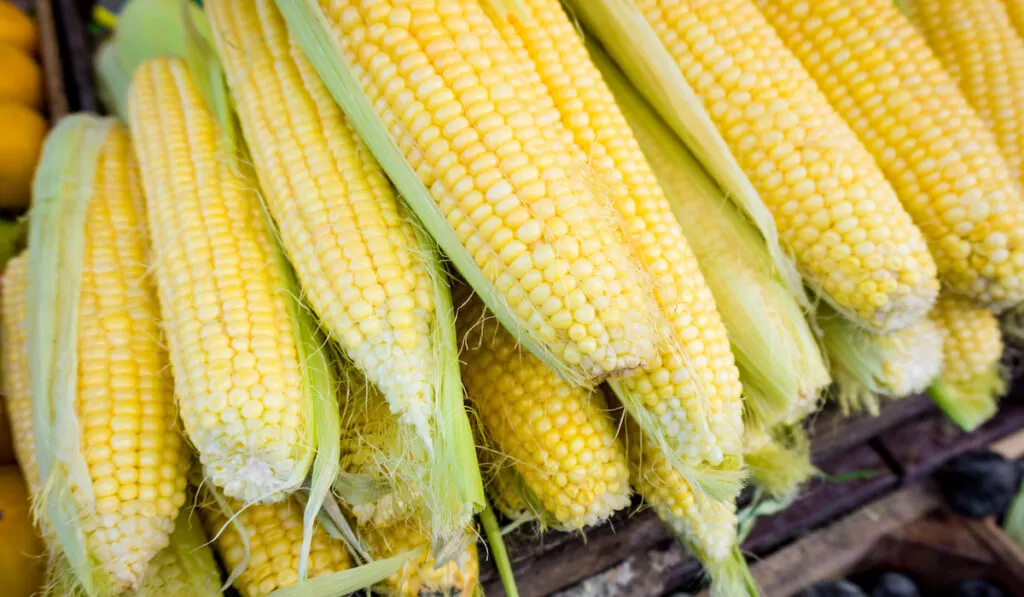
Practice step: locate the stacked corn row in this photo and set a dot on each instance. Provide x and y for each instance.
(594, 246)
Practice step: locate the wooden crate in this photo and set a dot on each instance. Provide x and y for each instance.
(56, 104)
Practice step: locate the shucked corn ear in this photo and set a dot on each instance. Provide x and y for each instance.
(971, 380)
(981, 50)
(431, 90)
(834, 209)
(943, 162)
(689, 394)
(111, 462)
(185, 568)
(779, 359)
(707, 527)
(355, 252)
(422, 575)
(1015, 9)
(17, 396)
(558, 438)
(865, 365)
(238, 344)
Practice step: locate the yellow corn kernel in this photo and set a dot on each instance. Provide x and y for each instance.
(981, 50)
(421, 575)
(274, 534)
(232, 343)
(1015, 9)
(558, 438)
(17, 395)
(943, 162)
(693, 386)
(354, 249)
(444, 85)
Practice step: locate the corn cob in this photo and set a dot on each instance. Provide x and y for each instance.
(943, 162)
(834, 209)
(435, 89)
(705, 526)
(232, 341)
(421, 575)
(112, 494)
(354, 249)
(704, 380)
(865, 365)
(506, 489)
(976, 42)
(17, 397)
(557, 437)
(780, 362)
(262, 544)
(971, 380)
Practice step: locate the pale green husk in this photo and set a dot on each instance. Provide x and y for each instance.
(783, 464)
(148, 29)
(193, 555)
(310, 27)
(731, 577)
(972, 403)
(60, 196)
(113, 80)
(780, 362)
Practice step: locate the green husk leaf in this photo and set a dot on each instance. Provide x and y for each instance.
(760, 505)
(310, 27)
(1013, 524)
(494, 538)
(113, 80)
(60, 196)
(149, 29)
(780, 361)
(971, 403)
(731, 577)
(347, 581)
(626, 35)
(782, 465)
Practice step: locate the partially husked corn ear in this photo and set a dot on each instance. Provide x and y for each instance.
(707, 527)
(895, 365)
(780, 362)
(533, 234)
(354, 249)
(506, 489)
(833, 207)
(272, 534)
(558, 438)
(944, 163)
(120, 486)
(971, 380)
(17, 395)
(692, 387)
(421, 575)
(981, 50)
(231, 338)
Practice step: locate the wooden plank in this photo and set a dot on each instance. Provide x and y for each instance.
(49, 56)
(1010, 555)
(826, 498)
(76, 53)
(922, 445)
(832, 433)
(1011, 446)
(834, 549)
